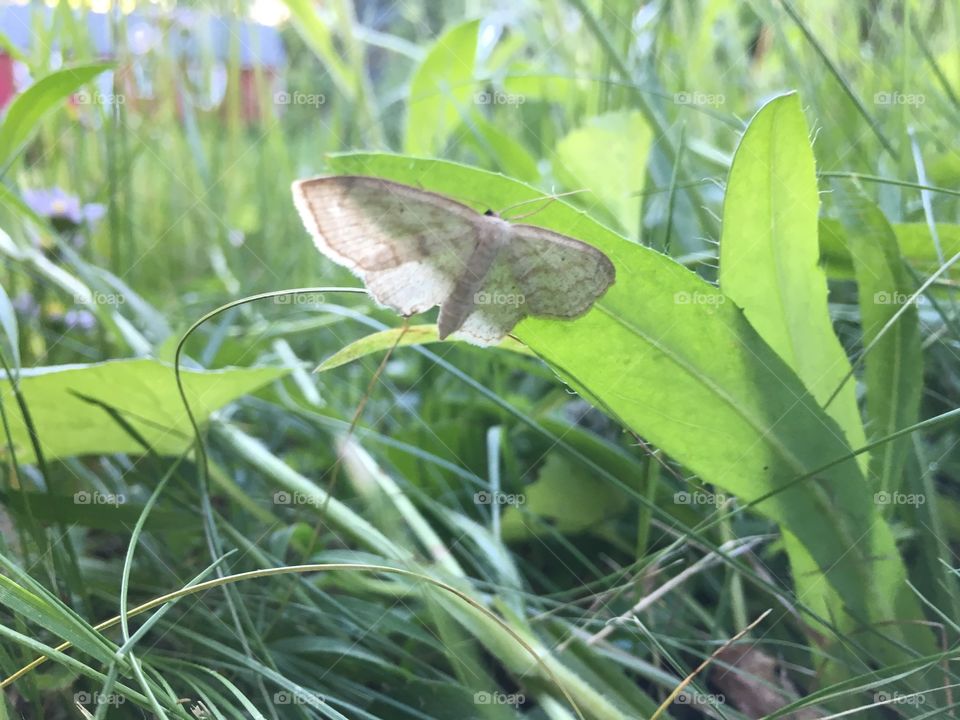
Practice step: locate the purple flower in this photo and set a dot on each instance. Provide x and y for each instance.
(65, 210)
(79, 320)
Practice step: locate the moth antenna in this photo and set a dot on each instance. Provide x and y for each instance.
(547, 202)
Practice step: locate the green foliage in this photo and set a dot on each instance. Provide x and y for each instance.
(730, 429)
(70, 406)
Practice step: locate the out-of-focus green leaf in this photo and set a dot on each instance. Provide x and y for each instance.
(623, 140)
(667, 355)
(565, 495)
(441, 88)
(29, 108)
(894, 366)
(318, 37)
(144, 392)
(915, 243)
(77, 510)
(507, 153)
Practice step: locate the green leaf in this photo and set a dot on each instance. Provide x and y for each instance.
(568, 496)
(894, 366)
(664, 353)
(914, 240)
(29, 108)
(45, 614)
(441, 87)
(508, 154)
(768, 255)
(143, 391)
(386, 339)
(623, 140)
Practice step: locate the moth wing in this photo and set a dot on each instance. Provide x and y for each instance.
(538, 272)
(408, 246)
(558, 276)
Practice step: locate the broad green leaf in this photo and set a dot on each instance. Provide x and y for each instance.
(29, 108)
(769, 268)
(665, 353)
(894, 366)
(623, 140)
(386, 339)
(143, 391)
(441, 87)
(769, 250)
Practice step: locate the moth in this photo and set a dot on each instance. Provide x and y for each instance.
(415, 250)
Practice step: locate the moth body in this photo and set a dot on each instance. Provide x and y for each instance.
(492, 234)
